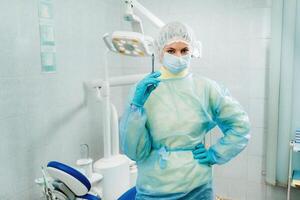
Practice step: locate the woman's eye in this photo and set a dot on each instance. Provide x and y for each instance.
(184, 51)
(171, 51)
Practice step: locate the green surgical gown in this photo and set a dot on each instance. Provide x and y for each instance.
(175, 118)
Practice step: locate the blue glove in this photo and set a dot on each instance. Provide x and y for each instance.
(202, 155)
(144, 88)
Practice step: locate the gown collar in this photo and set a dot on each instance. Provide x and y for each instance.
(167, 75)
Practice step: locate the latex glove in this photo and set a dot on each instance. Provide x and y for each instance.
(144, 88)
(202, 155)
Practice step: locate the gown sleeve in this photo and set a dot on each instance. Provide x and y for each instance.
(233, 121)
(134, 135)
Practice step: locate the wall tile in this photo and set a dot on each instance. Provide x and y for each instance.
(257, 112)
(11, 94)
(257, 142)
(260, 25)
(255, 164)
(259, 53)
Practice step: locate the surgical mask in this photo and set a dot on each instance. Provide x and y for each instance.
(176, 64)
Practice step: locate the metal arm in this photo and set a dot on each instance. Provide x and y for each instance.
(136, 22)
(155, 20)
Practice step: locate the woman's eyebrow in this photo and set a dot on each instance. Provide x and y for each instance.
(185, 48)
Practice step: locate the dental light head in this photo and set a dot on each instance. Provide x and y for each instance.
(133, 43)
(129, 43)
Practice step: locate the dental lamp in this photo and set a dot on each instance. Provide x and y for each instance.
(133, 43)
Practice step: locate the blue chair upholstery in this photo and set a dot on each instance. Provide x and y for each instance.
(90, 197)
(77, 175)
(73, 172)
(129, 195)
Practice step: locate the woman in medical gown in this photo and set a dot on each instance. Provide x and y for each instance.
(167, 115)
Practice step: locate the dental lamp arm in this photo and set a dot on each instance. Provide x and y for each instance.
(136, 22)
(149, 15)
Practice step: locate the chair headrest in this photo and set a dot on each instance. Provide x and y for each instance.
(72, 178)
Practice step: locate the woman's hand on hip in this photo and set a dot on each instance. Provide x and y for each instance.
(202, 155)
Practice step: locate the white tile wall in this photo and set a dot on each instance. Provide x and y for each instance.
(256, 144)
(42, 116)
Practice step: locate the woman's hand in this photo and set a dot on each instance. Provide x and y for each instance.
(202, 155)
(144, 88)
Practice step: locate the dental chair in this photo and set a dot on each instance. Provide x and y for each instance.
(69, 183)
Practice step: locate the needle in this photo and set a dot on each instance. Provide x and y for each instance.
(152, 63)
